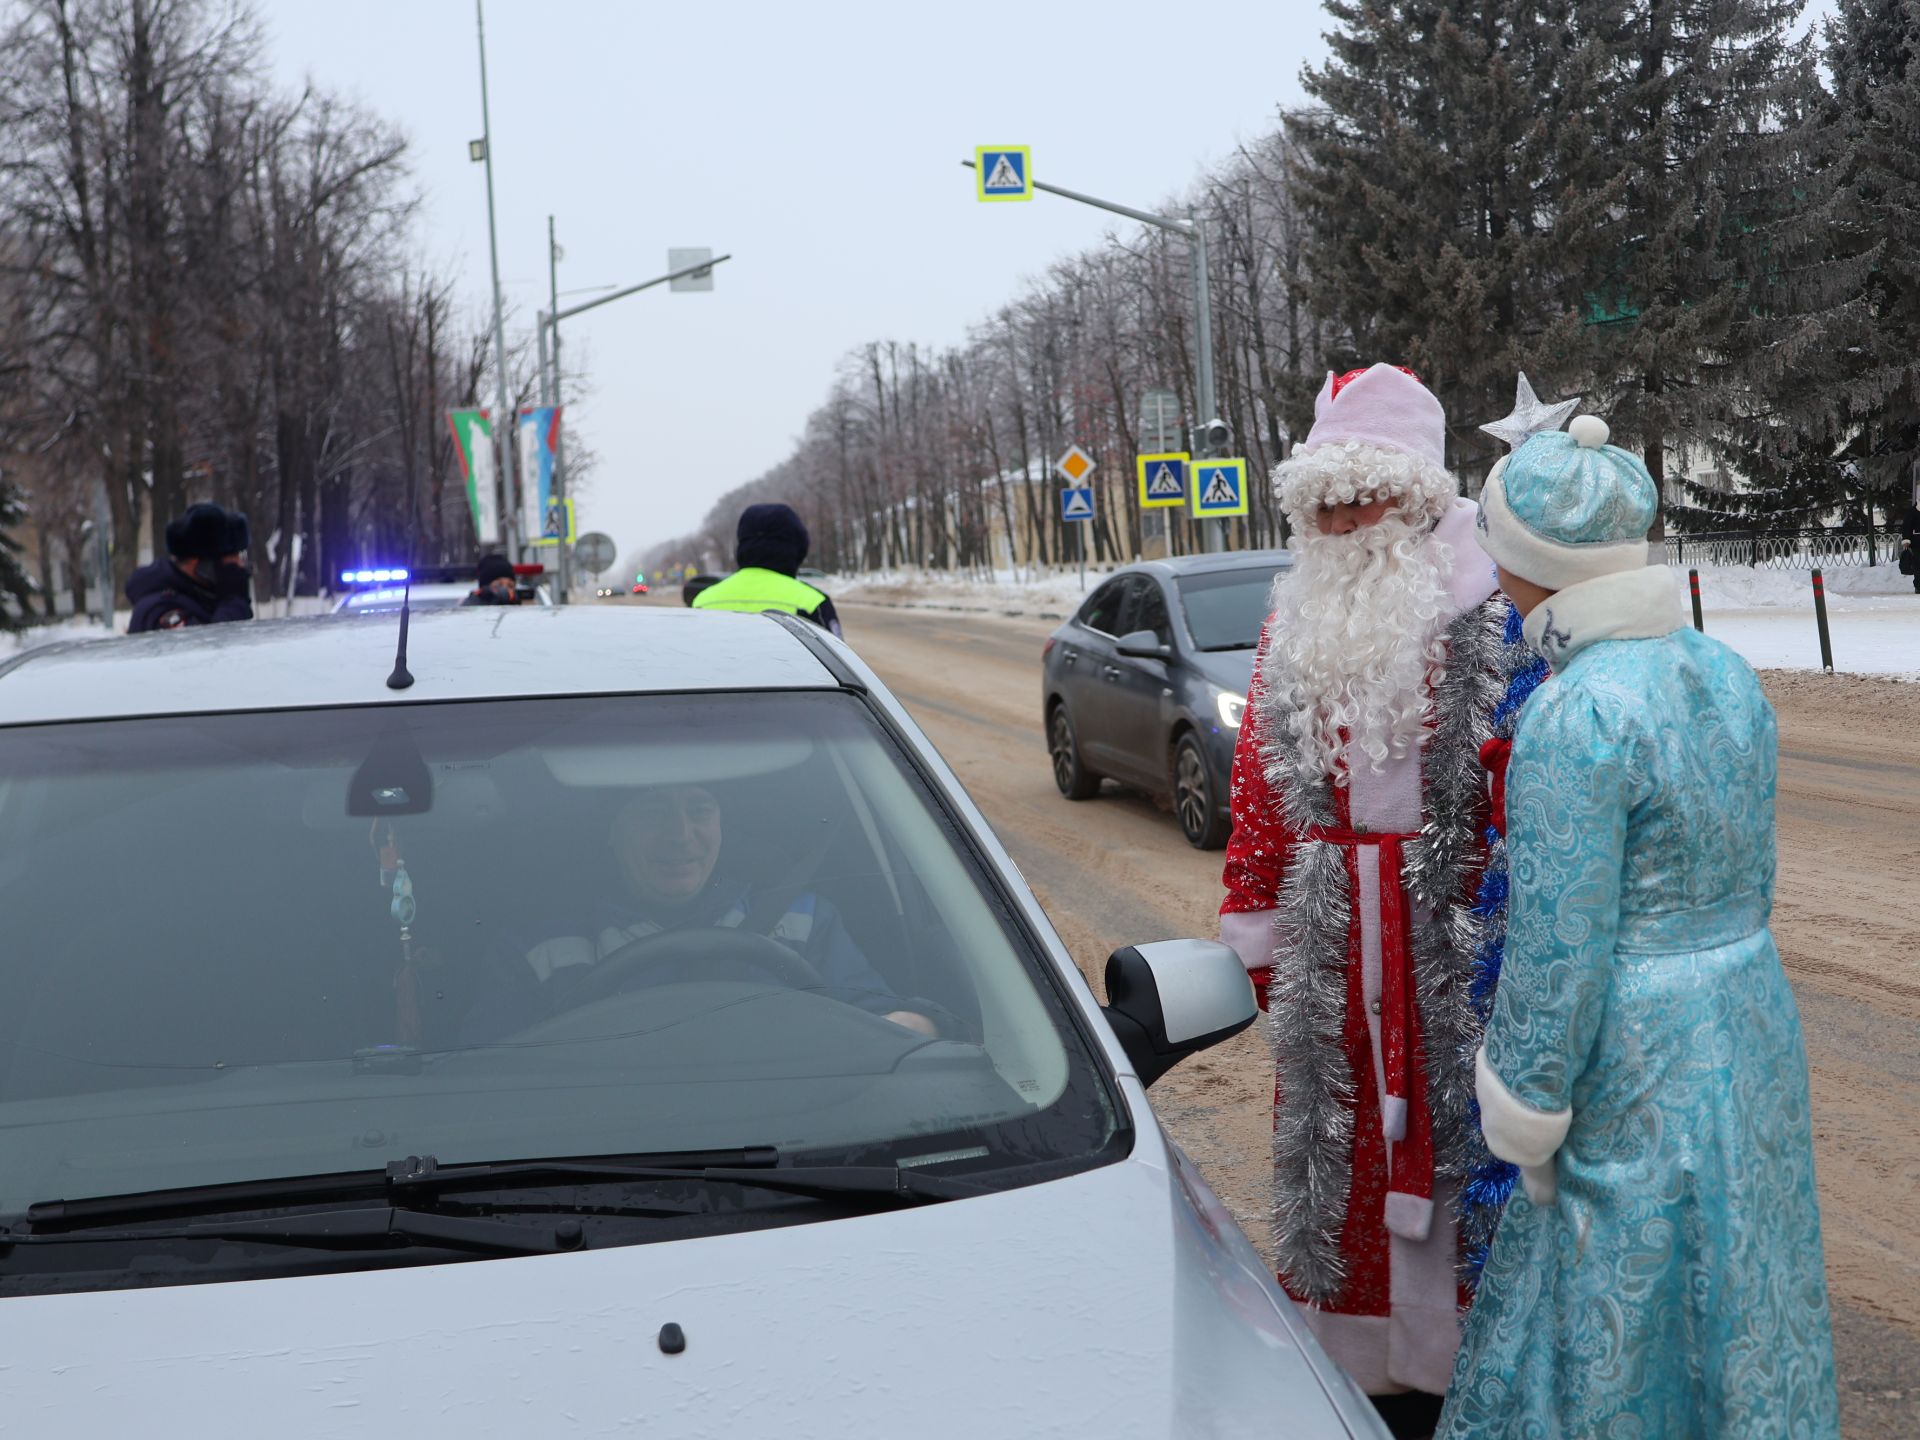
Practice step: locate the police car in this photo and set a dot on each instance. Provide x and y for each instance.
(756, 1095)
(379, 589)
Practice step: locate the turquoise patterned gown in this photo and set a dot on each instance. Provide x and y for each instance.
(1668, 1280)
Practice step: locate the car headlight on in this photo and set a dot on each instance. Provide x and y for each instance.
(1230, 707)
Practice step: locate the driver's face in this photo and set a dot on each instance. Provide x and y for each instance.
(668, 842)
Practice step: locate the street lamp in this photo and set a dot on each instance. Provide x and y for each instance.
(1212, 435)
(547, 325)
(481, 150)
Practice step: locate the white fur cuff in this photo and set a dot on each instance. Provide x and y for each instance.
(1550, 564)
(1515, 1130)
(1537, 1180)
(1249, 934)
(1409, 1216)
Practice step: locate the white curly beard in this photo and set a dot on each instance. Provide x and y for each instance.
(1358, 632)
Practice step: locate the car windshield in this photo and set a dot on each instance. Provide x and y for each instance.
(1226, 608)
(297, 943)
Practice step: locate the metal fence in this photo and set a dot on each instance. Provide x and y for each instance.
(1781, 550)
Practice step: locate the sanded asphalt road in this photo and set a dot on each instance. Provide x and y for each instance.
(1115, 870)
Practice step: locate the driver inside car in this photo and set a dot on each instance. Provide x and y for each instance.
(666, 843)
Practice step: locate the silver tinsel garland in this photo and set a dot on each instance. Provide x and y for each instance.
(1313, 1109)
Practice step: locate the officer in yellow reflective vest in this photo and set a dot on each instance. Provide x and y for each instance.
(769, 545)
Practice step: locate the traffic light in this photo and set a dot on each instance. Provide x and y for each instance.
(1213, 437)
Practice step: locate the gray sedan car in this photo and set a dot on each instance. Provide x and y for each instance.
(1147, 682)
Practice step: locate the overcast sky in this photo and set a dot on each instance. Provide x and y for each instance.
(819, 144)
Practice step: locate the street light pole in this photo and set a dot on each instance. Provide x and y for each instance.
(564, 580)
(550, 380)
(1196, 236)
(503, 417)
(1203, 340)
(680, 274)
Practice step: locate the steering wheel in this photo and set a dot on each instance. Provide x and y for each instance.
(709, 953)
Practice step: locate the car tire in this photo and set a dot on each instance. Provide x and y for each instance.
(1074, 780)
(1194, 800)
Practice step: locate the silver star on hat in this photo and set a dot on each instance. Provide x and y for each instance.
(1530, 416)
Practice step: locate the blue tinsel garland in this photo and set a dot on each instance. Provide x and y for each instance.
(1489, 1179)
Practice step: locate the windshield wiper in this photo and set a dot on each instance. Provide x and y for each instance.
(754, 1166)
(366, 1227)
(760, 1172)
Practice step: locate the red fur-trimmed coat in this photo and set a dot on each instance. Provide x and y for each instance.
(1349, 903)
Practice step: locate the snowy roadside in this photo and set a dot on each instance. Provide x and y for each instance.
(32, 637)
(1873, 613)
(1052, 596)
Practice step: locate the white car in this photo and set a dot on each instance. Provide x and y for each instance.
(583, 1023)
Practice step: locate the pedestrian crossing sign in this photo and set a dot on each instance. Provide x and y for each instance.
(1219, 489)
(1076, 503)
(1003, 172)
(1163, 480)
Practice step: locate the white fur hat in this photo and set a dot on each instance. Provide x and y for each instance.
(1377, 434)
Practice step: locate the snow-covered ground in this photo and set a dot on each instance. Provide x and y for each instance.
(12, 642)
(84, 628)
(1873, 614)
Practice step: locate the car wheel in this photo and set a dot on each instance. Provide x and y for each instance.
(1193, 798)
(1076, 782)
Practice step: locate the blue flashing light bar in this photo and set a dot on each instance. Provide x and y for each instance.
(372, 577)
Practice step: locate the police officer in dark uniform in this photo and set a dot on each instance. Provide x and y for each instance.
(204, 579)
(1910, 543)
(497, 585)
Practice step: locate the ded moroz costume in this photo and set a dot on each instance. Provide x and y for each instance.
(1360, 813)
(1660, 1272)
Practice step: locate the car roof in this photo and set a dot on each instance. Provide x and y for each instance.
(1209, 564)
(481, 653)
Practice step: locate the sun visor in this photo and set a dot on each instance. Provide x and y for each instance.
(653, 760)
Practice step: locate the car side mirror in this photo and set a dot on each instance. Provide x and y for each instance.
(1143, 645)
(1170, 999)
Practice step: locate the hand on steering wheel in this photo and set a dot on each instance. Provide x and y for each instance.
(707, 953)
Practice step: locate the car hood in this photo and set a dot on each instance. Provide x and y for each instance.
(1229, 669)
(1113, 1303)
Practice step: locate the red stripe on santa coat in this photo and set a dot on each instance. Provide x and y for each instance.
(1394, 986)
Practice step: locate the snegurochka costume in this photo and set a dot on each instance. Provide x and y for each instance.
(1660, 1273)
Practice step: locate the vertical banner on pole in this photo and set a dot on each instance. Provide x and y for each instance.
(473, 439)
(539, 446)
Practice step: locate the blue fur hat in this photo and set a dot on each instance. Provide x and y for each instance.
(1567, 506)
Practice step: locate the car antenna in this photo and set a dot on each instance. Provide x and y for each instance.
(402, 678)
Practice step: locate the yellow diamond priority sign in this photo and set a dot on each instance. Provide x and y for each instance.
(1075, 465)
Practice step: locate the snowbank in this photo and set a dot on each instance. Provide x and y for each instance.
(1735, 587)
(1873, 614)
(1048, 596)
(86, 628)
(34, 636)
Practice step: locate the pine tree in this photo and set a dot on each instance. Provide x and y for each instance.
(1873, 56)
(1450, 183)
(14, 580)
(1714, 296)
